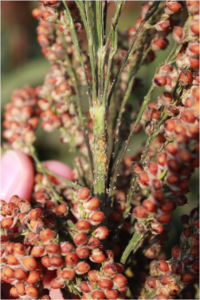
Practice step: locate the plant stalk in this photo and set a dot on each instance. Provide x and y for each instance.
(131, 49)
(40, 168)
(68, 182)
(97, 113)
(91, 49)
(117, 168)
(133, 243)
(113, 34)
(76, 44)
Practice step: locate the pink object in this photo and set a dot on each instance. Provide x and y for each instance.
(17, 175)
(59, 168)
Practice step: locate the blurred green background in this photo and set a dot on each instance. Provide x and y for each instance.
(22, 63)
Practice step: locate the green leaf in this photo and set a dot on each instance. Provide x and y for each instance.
(25, 233)
(71, 225)
(39, 242)
(178, 279)
(28, 225)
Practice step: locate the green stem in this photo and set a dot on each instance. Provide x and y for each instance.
(88, 27)
(98, 16)
(69, 137)
(144, 155)
(148, 143)
(146, 151)
(97, 113)
(150, 295)
(81, 177)
(98, 25)
(101, 53)
(133, 243)
(124, 216)
(76, 44)
(75, 290)
(146, 99)
(150, 139)
(126, 212)
(131, 49)
(105, 8)
(90, 38)
(131, 73)
(65, 293)
(120, 5)
(69, 183)
(113, 34)
(40, 168)
(78, 110)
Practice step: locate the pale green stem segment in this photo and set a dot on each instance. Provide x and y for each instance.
(97, 113)
(98, 23)
(133, 244)
(41, 169)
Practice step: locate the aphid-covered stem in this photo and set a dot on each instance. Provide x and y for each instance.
(146, 99)
(136, 238)
(100, 149)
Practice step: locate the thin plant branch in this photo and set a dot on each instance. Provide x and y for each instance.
(41, 169)
(76, 44)
(131, 49)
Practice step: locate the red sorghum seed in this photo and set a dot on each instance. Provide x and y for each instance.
(13, 292)
(82, 268)
(71, 259)
(177, 267)
(34, 277)
(139, 212)
(20, 274)
(187, 277)
(163, 266)
(29, 263)
(84, 194)
(68, 274)
(98, 294)
(32, 292)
